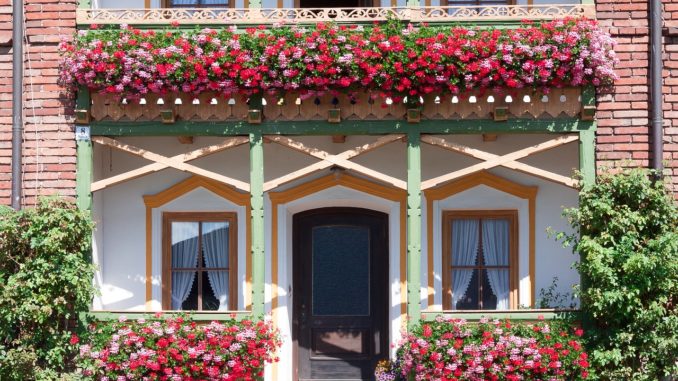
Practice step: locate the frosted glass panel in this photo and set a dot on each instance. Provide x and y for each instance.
(341, 268)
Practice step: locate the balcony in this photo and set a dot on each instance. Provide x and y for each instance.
(450, 14)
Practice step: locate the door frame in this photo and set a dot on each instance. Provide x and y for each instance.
(385, 317)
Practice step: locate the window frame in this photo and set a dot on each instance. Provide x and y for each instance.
(168, 4)
(200, 217)
(450, 215)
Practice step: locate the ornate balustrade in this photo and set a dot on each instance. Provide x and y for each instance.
(559, 103)
(438, 14)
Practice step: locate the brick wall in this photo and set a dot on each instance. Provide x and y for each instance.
(49, 147)
(623, 116)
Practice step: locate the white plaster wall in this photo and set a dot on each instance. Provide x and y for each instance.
(119, 211)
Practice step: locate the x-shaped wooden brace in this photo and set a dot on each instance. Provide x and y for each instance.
(328, 160)
(491, 160)
(162, 162)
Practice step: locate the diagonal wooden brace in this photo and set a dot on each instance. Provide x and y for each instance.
(328, 160)
(491, 160)
(162, 162)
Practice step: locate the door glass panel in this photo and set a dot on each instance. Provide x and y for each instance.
(341, 268)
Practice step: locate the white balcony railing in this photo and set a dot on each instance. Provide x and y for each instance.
(443, 14)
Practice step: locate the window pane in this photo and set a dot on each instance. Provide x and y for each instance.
(198, 3)
(215, 291)
(489, 298)
(215, 245)
(496, 242)
(184, 245)
(476, 2)
(465, 289)
(184, 290)
(465, 242)
(341, 270)
(499, 282)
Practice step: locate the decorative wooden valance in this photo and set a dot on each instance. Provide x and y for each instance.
(559, 103)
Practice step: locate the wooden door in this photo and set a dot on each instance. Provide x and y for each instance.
(340, 321)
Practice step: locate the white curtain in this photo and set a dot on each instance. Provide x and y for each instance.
(464, 252)
(496, 253)
(215, 250)
(184, 255)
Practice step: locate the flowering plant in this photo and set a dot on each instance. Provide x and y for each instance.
(177, 348)
(454, 350)
(392, 59)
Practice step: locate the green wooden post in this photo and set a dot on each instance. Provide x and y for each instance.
(587, 156)
(84, 165)
(413, 228)
(257, 203)
(85, 4)
(587, 137)
(587, 169)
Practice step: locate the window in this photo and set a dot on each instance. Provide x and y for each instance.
(454, 3)
(197, 3)
(199, 261)
(480, 264)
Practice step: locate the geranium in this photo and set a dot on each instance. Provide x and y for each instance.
(450, 349)
(179, 348)
(394, 59)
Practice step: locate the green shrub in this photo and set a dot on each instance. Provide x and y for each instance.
(45, 281)
(628, 242)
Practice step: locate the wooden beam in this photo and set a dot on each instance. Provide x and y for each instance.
(326, 162)
(257, 226)
(349, 127)
(499, 160)
(185, 139)
(150, 168)
(176, 162)
(515, 165)
(413, 230)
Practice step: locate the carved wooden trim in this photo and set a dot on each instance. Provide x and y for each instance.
(207, 16)
(291, 106)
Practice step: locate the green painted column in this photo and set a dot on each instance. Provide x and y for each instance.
(257, 226)
(84, 156)
(413, 228)
(83, 177)
(587, 156)
(85, 4)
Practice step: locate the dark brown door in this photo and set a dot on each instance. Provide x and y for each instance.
(340, 293)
